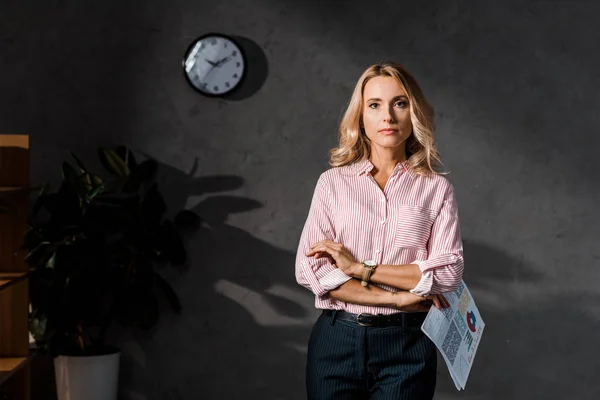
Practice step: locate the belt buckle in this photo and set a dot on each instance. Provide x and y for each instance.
(363, 323)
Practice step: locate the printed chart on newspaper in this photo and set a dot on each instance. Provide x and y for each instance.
(456, 331)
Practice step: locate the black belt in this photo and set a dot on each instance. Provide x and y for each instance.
(366, 319)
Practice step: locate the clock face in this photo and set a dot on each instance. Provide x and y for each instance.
(214, 65)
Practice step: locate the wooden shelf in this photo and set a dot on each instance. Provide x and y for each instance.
(15, 190)
(8, 190)
(8, 366)
(10, 278)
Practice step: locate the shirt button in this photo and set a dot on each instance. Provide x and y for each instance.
(382, 222)
(377, 251)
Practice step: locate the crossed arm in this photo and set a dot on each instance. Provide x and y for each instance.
(403, 277)
(328, 268)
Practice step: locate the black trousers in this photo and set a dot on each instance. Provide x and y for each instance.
(347, 361)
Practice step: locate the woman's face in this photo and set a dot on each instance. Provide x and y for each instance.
(386, 114)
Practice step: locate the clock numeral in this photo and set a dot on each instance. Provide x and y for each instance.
(225, 45)
(235, 75)
(213, 41)
(216, 88)
(227, 84)
(234, 53)
(238, 64)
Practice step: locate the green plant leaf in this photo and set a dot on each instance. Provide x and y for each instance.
(31, 239)
(138, 305)
(94, 192)
(127, 156)
(147, 316)
(81, 166)
(172, 244)
(153, 205)
(51, 261)
(39, 200)
(65, 206)
(70, 175)
(34, 252)
(96, 180)
(170, 294)
(140, 174)
(112, 162)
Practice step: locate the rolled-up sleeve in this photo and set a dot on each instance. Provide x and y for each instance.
(318, 275)
(443, 269)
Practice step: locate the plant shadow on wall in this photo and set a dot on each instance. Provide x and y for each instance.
(245, 321)
(523, 326)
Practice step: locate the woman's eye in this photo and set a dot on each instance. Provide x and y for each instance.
(373, 104)
(402, 104)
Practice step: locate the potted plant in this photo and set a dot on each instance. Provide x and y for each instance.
(95, 247)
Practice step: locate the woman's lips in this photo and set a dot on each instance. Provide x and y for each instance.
(388, 131)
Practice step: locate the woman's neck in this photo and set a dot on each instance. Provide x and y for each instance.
(385, 163)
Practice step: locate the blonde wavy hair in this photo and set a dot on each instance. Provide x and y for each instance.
(354, 145)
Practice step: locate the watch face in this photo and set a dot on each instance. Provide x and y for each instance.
(214, 64)
(370, 263)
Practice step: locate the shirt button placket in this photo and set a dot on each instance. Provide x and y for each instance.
(383, 224)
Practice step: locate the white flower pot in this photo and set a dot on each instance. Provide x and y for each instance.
(87, 377)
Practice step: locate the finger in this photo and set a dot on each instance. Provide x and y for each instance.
(328, 249)
(315, 249)
(322, 254)
(436, 302)
(444, 300)
(445, 303)
(317, 246)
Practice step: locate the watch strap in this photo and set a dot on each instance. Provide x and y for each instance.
(367, 272)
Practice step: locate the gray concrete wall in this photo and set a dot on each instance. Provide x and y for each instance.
(514, 85)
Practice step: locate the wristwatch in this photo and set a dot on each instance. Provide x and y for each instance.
(369, 267)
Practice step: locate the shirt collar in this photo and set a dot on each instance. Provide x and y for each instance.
(365, 166)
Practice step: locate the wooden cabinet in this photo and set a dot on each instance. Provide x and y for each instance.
(14, 294)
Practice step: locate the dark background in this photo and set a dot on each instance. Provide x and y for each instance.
(514, 85)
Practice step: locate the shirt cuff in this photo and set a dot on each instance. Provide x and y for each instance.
(427, 265)
(423, 288)
(334, 279)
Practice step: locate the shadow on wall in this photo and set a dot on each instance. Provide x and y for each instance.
(245, 320)
(522, 368)
(257, 69)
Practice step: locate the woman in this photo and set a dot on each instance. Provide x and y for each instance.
(381, 244)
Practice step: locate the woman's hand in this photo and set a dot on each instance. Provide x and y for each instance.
(406, 301)
(338, 255)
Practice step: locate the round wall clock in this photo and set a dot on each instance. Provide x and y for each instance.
(214, 64)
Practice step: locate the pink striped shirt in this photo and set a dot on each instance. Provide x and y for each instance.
(414, 220)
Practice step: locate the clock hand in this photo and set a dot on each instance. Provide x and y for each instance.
(221, 62)
(211, 63)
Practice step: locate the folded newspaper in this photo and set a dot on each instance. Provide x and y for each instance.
(456, 331)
